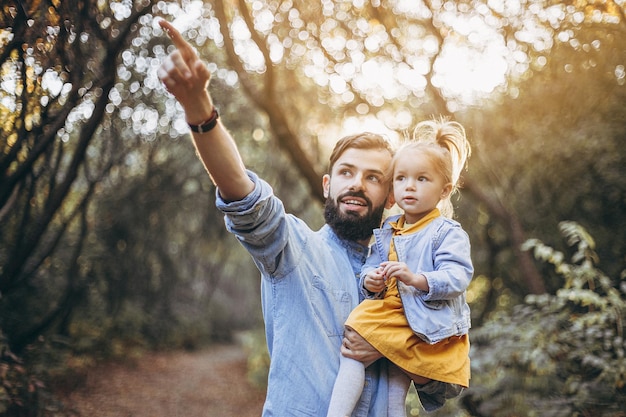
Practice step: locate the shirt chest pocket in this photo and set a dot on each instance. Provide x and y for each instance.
(331, 306)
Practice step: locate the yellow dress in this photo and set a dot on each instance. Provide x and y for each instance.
(383, 324)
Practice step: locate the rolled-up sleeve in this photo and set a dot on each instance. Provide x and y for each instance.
(273, 238)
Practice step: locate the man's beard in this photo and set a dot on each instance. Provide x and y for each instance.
(351, 226)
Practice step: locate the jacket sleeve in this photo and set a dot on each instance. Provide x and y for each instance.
(452, 263)
(372, 262)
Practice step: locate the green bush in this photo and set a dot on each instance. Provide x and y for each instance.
(555, 355)
(258, 357)
(23, 388)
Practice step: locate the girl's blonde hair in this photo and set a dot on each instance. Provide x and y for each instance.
(445, 142)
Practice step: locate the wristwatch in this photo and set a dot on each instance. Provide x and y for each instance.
(207, 125)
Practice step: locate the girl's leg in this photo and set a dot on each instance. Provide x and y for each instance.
(348, 387)
(399, 383)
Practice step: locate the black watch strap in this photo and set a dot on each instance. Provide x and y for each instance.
(207, 125)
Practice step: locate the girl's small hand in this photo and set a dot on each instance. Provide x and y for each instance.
(402, 273)
(374, 280)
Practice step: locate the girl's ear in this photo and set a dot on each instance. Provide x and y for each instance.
(447, 189)
(326, 185)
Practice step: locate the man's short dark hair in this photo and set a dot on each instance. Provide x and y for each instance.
(365, 141)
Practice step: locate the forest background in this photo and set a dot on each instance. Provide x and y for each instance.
(110, 244)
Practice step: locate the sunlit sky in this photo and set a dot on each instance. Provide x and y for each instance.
(466, 71)
(471, 65)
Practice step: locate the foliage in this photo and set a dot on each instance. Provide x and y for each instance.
(258, 357)
(107, 241)
(24, 391)
(451, 408)
(551, 150)
(555, 355)
(98, 217)
(59, 62)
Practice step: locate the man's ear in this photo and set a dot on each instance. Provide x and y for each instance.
(390, 201)
(326, 185)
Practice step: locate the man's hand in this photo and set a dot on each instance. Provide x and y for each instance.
(186, 77)
(357, 348)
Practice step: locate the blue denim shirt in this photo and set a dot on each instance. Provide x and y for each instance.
(309, 286)
(441, 252)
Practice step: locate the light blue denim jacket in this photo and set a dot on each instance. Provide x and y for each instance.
(309, 286)
(440, 251)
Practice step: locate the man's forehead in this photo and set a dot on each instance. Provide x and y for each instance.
(365, 159)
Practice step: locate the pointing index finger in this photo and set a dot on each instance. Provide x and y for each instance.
(175, 36)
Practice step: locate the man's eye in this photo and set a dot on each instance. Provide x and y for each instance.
(374, 178)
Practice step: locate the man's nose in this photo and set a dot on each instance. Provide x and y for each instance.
(357, 182)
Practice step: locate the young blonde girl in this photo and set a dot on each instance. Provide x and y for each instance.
(414, 281)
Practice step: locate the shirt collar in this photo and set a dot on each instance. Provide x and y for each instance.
(400, 228)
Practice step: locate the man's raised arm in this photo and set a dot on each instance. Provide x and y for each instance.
(186, 77)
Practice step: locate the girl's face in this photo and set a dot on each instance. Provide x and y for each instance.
(417, 185)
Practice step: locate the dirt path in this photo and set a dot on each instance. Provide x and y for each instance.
(209, 383)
